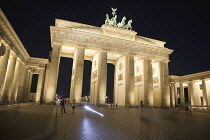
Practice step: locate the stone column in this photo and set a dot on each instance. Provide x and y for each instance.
(15, 81)
(191, 93)
(9, 78)
(130, 95)
(165, 84)
(172, 94)
(28, 86)
(77, 75)
(40, 85)
(43, 97)
(205, 99)
(22, 84)
(115, 85)
(3, 68)
(148, 82)
(53, 74)
(182, 94)
(102, 77)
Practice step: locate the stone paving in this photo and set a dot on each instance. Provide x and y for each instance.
(40, 122)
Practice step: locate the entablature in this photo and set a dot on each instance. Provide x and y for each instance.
(36, 62)
(190, 77)
(10, 38)
(75, 37)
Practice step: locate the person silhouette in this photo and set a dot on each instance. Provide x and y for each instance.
(142, 107)
(62, 103)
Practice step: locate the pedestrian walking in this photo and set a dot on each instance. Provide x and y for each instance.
(62, 103)
(73, 105)
(142, 107)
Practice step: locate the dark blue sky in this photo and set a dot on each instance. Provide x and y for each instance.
(183, 25)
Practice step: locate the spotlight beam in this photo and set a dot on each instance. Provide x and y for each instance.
(88, 108)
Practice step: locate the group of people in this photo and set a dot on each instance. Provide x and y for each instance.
(62, 104)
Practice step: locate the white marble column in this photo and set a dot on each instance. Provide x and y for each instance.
(148, 82)
(130, 95)
(165, 84)
(191, 93)
(77, 75)
(40, 85)
(53, 74)
(3, 68)
(15, 81)
(22, 84)
(182, 100)
(205, 99)
(9, 78)
(102, 77)
(172, 94)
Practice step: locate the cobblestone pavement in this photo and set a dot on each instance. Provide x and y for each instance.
(47, 122)
(20, 121)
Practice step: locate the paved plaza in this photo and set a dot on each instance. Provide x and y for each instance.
(29, 121)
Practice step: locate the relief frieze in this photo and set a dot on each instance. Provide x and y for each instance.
(155, 79)
(120, 77)
(102, 43)
(94, 74)
(138, 78)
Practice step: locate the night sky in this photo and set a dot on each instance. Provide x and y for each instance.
(183, 25)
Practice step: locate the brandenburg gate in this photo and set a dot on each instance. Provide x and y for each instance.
(141, 64)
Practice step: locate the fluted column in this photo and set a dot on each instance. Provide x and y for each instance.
(22, 84)
(15, 81)
(28, 86)
(148, 82)
(77, 75)
(3, 68)
(165, 84)
(102, 77)
(205, 99)
(191, 93)
(182, 94)
(130, 95)
(172, 94)
(40, 85)
(53, 74)
(9, 78)
(43, 96)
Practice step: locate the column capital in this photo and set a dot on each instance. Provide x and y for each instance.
(56, 45)
(41, 68)
(165, 60)
(12, 54)
(191, 81)
(146, 58)
(19, 60)
(103, 51)
(203, 79)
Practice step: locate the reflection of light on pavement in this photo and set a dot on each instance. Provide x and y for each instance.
(86, 107)
(88, 130)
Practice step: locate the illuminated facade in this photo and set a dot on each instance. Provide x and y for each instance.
(17, 67)
(193, 89)
(141, 66)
